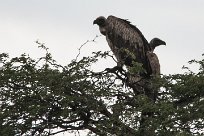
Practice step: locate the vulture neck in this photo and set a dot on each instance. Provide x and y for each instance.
(102, 30)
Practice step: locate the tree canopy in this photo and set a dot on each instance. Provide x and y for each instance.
(38, 96)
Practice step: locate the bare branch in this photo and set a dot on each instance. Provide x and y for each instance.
(93, 40)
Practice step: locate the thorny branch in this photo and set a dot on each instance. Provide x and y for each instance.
(42, 45)
(93, 40)
(112, 58)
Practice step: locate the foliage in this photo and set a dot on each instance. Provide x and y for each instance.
(37, 96)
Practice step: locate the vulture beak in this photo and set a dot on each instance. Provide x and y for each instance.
(94, 22)
(162, 43)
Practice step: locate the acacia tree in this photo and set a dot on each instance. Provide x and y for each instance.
(39, 95)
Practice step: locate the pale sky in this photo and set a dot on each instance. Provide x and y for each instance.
(64, 25)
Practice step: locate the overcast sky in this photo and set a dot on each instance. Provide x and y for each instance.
(64, 25)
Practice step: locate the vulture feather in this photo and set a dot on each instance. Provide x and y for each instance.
(125, 40)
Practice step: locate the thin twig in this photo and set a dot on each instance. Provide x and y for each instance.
(112, 58)
(93, 40)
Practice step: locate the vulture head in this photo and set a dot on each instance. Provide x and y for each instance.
(156, 42)
(101, 22)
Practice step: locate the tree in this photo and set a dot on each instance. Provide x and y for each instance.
(37, 96)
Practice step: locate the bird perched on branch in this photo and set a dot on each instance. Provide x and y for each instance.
(129, 45)
(152, 57)
(126, 41)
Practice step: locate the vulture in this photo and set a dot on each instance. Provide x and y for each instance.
(126, 42)
(152, 57)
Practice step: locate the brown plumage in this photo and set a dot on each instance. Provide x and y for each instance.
(152, 57)
(129, 45)
(125, 40)
(154, 63)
